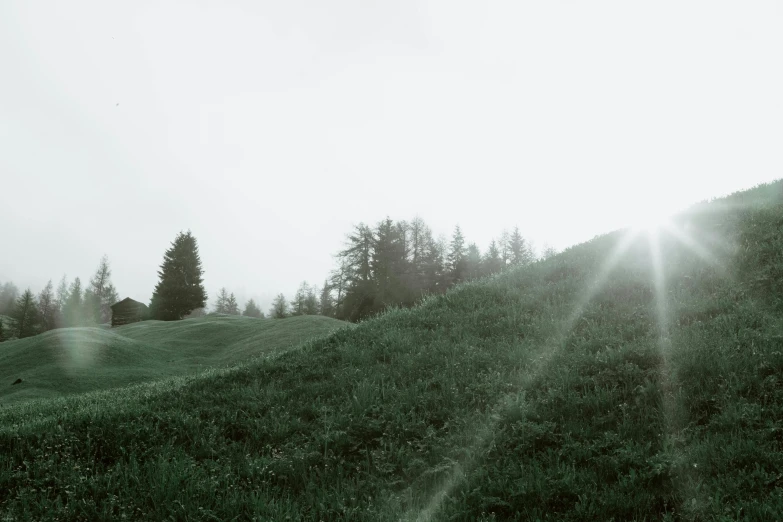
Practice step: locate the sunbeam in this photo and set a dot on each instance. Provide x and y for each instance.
(538, 365)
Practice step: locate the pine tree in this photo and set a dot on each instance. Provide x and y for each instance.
(221, 302)
(180, 289)
(492, 263)
(232, 307)
(548, 252)
(100, 294)
(60, 300)
(279, 308)
(520, 252)
(252, 310)
(456, 257)
(327, 308)
(73, 310)
(47, 308)
(311, 304)
(472, 262)
(299, 303)
(25, 315)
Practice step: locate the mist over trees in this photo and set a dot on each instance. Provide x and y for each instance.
(397, 263)
(252, 310)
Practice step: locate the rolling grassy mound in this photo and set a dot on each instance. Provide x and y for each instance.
(75, 360)
(634, 377)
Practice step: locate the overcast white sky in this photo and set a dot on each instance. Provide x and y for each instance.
(269, 128)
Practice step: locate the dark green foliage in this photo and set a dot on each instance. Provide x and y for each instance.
(568, 389)
(326, 302)
(232, 306)
(252, 310)
(47, 308)
(25, 315)
(99, 295)
(73, 309)
(180, 289)
(221, 302)
(279, 308)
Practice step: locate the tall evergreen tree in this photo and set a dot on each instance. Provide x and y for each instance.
(327, 301)
(60, 300)
(180, 289)
(25, 315)
(47, 308)
(73, 310)
(520, 252)
(492, 262)
(221, 302)
(473, 262)
(100, 294)
(299, 303)
(252, 310)
(548, 252)
(311, 304)
(232, 307)
(456, 257)
(279, 308)
(388, 264)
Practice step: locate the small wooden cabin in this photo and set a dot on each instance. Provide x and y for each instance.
(128, 311)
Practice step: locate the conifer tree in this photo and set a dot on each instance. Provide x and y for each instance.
(25, 315)
(492, 263)
(311, 301)
(299, 303)
(100, 294)
(60, 300)
(252, 310)
(327, 301)
(8, 295)
(473, 262)
(73, 311)
(180, 289)
(232, 307)
(520, 252)
(456, 257)
(279, 308)
(221, 303)
(47, 308)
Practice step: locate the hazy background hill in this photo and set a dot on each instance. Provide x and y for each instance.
(74, 360)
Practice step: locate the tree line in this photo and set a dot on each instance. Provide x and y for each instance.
(397, 264)
(68, 305)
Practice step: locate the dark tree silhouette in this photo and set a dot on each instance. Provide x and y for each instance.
(25, 315)
(279, 308)
(252, 310)
(47, 308)
(180, 289)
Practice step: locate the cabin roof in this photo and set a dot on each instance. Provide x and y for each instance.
(127, 301)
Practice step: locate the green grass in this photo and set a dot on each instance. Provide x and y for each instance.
(561, 391)
(76, 360)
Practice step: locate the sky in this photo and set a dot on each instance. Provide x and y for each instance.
(269, 129)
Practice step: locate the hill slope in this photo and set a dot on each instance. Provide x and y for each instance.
(74, 360)
(628, 378)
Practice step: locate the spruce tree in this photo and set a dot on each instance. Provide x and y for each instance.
(221, 304)
(25, 315)
(311, 304)
(299, 303)
(252, 310)
(472, 262)
(520, 252)
(232, 307)
(47, 308)
(60, 300)
(492, 262)
(456, 257)
(279, 308)
(327, 301)
(180, 289)
(73, 310)
(100, 294)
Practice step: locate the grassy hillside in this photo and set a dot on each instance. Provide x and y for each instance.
(75, 360)
(628, 378)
